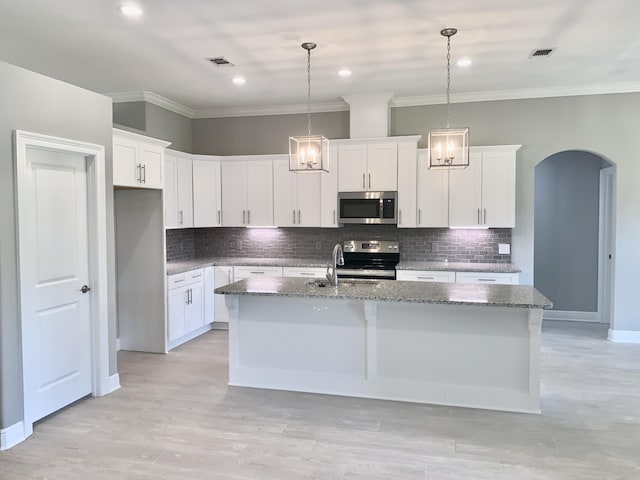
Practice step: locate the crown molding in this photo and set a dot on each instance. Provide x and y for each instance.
(153, 98)
(341, 106)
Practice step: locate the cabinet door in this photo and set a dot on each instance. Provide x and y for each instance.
(152, 161)
(209, 287)
(499, 189)
(171, 192)
(185, 192)
(234, 193)
(222, 276)
(285, 194)
(241, 272)
(260, 193)
(465, 194)
(194, 317)
(329, 192)
(313, 272)
(382, 166)
(125, 162)
(426, 276)
(308, 214)
(490, 278)
(407, 184)
(352, 168)
(206, 194)
(176, 315)
(433, 195)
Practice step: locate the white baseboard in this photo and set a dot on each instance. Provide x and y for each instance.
(11, 436)
(623, 336)
(113, 383)
(564, 315)
(220, 325)
(117, 344)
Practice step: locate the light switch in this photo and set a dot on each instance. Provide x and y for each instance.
(504, 248)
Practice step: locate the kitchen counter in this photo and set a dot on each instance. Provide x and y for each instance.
(516, 296)
(186, 265)
(459, 267)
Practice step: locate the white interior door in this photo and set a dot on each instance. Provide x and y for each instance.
(56, 322)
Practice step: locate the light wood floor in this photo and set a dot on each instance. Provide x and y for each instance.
(175, 418)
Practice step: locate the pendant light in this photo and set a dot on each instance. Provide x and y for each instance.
(309, 153)
(449, 147)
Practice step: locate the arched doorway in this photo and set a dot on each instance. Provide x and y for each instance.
(573, 235)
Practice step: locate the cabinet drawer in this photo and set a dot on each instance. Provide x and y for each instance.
(185, 278)
(489, 278)
(426, 276)
(314, 272)
(243, 271)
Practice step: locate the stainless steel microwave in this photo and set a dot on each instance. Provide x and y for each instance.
(367, 207)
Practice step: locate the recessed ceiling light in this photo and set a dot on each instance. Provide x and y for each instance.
(239, 80)
(130, 10)
(464, 62)
(345, 72)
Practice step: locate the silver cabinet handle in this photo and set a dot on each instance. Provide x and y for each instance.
(144, 173)
(219, 219)
(294, 216)
(334, 216)
(486, 279)
(299, 221)
(478, 216)
(139, 173)
(419, 216)
(400, 216)
(248, 217)
(181, 213)
(363, 184)
(243, 216)
(178, 281)
(485, 217)
(369, 181)
(425, 278)
(306, 274)
(257, 273)
(228, 276)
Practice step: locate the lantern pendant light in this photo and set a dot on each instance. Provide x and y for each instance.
(308, 153)
(449, 147)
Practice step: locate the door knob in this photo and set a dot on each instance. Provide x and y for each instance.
(85, 289)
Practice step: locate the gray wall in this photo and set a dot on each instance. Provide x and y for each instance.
(566, 230)
(156, 122)
(39, 104)
(267, 134)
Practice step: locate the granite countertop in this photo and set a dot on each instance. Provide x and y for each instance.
(519, 296)
(186, 265)
(459, 267)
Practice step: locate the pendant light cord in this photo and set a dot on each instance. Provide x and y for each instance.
(448, 79)
(309, 92)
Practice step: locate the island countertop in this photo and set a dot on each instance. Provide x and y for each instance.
(516, 296)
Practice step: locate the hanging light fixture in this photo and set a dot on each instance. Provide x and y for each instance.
(309, 153)
(449, 147)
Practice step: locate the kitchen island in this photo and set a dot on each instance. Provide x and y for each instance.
(452, 344)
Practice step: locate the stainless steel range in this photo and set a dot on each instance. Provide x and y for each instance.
(369, 259)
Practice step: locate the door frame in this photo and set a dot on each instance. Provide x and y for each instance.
(97, 237)
(606, 244)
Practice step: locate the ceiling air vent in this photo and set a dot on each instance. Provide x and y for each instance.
(220, 62)
(541, 52)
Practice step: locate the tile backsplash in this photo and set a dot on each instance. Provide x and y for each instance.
(422, 244)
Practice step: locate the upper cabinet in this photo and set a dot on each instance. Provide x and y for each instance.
(296, 196)
(178, 190)
(407, 155)
(329, 191)
(207, 192)
(138, 161)
(247, 192)
(432, 194)
(483, 194)
(366, 166)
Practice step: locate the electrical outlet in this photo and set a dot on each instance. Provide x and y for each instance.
(318, 246)
(504, 248)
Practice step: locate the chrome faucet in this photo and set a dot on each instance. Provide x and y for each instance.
(336, 259)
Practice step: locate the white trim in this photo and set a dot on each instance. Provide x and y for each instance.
(623, 336)
(340, 106)
(563, 315)
(399, 138)
(113, 383)
(118, 344)
(97, 237)
(11, 436)
(141, 138)
(606, 243)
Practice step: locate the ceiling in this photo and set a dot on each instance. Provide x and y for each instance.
(391, 46)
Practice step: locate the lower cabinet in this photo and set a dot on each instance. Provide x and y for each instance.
(222, 275)
(426, 276)
(189, 312)
(458, 277)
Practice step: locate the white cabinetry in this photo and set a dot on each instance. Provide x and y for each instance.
(433, 194)
(247, 193)
(368, 166)
(309, 272)
(483, 194)
(223, 275)
(243, 271)
(185, 306)
(426, 276)
(407, 157)
(178, 191)
(207, 192)
(138, 161)
(491, 278)
(329, 192)
(296, 196)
